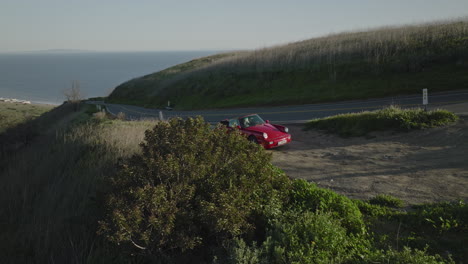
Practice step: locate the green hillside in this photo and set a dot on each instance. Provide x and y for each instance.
(383, 62)
(12, 114)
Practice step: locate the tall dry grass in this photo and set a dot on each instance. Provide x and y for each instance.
(416, 43)
(375, 46)
(387, 61)
(49, 190)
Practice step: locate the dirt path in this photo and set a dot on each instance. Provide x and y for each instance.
(420, 166)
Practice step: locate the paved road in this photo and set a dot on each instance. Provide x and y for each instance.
(296, 113)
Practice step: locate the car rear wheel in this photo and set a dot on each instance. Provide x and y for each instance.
(253, 139)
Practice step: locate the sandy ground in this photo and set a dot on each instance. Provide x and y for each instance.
(420, 166)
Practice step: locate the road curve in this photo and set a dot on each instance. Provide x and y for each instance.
(294, 113)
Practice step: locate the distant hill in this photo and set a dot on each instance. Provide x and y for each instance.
(59, 51)
(355, 65)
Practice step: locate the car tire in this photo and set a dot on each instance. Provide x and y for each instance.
(253, 139)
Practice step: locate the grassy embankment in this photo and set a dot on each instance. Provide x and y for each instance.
(50, 183)
(391, 118)
(51, 187)
(12, 114)
(357, 65)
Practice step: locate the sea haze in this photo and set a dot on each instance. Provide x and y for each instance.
(43, 76)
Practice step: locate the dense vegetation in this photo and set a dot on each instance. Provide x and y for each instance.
(357, 65)
(191, 189)
(85, 191)
(12, 114)
(50, 183)
(391, 118)
(185, 198)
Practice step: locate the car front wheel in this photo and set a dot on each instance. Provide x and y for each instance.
(253, 139)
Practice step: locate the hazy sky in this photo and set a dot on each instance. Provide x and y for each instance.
(116, 25)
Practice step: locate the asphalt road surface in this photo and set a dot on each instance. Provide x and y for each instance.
(295, 113)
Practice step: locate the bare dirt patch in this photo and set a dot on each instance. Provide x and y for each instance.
(418, 167)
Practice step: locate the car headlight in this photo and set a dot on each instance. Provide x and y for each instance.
(265, 135)
(286, 129)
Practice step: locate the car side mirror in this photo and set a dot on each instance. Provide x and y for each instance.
(267, 121)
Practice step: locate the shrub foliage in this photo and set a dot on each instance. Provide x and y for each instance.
(391, 118)
(308, 197)
(387, 200)
(311, 238)
(191, 187)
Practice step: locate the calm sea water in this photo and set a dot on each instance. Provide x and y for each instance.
(42, 77)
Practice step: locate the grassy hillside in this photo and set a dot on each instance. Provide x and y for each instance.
(49, 187)
(143, 90)
(356, 65)
(12, 114)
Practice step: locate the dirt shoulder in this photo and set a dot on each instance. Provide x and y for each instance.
(420, 166)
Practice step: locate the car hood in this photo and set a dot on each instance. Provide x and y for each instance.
(271, 131)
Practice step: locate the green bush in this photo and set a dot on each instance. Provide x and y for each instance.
(406, 256)
(302, 237)
(442, 217)
(441, 226)
(307, 196)
(387, 200)
(241, 253)
(309, 237)
(306, 237)
(374, 210)
(391, 118)
(191, 188)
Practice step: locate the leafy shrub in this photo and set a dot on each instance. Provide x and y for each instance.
(311, 237)
(241, 253)
(442, 226)
(439, 228)
(302, 237)
(374, 210)
(441, 217)
(391, 118)
(306, 237)
(406, 256)
(307, 196)
(387, 200)
(191, 187)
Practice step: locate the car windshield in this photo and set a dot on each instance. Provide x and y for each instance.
(253, 120)
(233, 123)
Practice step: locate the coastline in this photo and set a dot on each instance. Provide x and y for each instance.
(26, 102)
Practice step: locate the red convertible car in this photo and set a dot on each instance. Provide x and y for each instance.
(259, 131)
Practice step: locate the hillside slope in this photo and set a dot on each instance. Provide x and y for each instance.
(357, 65)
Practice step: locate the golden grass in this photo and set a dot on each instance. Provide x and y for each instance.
(388, 61)
(49, 189)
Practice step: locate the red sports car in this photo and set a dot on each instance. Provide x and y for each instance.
(259, 131)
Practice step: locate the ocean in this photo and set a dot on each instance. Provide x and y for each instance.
(43, 76)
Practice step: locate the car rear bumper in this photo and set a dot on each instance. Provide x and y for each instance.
(277, 142)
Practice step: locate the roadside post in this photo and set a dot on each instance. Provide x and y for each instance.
(161, 117)
(425, 99)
